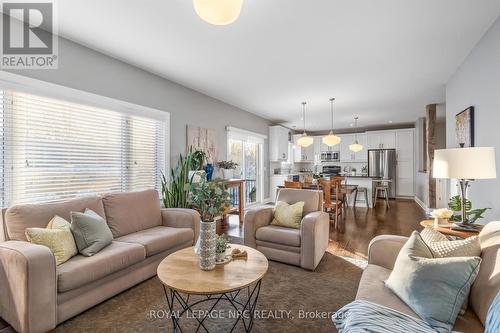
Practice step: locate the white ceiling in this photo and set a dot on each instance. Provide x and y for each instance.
(383, 60)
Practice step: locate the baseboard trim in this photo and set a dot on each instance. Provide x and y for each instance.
(421, 204)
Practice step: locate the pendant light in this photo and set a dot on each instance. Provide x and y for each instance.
(305, 140)
(218, 12)
(355, 147)
(331, 139)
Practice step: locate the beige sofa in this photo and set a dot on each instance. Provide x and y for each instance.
(36, 295)
(382, 254)
(300, 247)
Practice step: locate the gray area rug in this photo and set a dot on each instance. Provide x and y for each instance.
(291, 300)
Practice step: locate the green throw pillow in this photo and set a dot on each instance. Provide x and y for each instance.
(91, 232)
(286, 215)
(435, 288)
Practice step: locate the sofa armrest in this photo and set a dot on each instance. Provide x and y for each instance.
(182, 218)
(314, 236)
(28, 286)
(255, 219)
(384, 249)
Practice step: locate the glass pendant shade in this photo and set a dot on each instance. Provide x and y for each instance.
(331, 139)
(355, 147)
(305, 140)
(218, 12)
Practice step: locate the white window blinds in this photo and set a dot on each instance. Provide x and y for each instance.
(52, 150)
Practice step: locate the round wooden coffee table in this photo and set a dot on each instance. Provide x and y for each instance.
(181, 278)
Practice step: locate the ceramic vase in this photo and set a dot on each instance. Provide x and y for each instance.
(227, 173)
(207, 246)
(440, 222)
(209, 170)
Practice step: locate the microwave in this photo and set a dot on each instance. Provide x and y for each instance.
(330, 156)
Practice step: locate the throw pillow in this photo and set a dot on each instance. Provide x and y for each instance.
(57, 237)
(435, 288)
(286, 215)
(441, 248)
(91, 232)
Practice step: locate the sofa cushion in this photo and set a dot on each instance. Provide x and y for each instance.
(313, 199)
(91, 232)
(280, 235)
(80, 270)
(372, 288)
(286, 215)
(130, 212)
(159, 239)
(18, 218)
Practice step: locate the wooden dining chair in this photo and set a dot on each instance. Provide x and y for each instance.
(292, 184)
(343, 188)
(331, 205)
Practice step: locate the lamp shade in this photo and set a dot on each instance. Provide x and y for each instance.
(305, 140)
(465, 163)
(218, 12)
(355, 147)
(331, 139)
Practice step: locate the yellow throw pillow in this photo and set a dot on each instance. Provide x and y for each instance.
(286, 215)
(57, 237)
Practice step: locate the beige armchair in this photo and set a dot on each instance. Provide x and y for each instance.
(302, 247)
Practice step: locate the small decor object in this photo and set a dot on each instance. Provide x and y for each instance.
(441, 217)
(221, 247)
(353, 171)
(210, 199)
(237, 253)
(464, 128)
(209, 171)
(227, 168)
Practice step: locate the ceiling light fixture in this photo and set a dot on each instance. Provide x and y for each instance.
(218, 12)
(331, 139)
(305, 140)
(355, 147)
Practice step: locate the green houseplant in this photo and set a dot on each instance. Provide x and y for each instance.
(196, 172)
(227, 168)
(210, 199)
(222, 244)
(472, 215)
(175, 191)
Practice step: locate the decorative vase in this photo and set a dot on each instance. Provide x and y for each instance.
(209, 171)
(227, 173)
(221, 256)
(440, 222)
(207, 247)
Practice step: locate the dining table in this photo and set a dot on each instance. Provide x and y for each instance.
(347, 189)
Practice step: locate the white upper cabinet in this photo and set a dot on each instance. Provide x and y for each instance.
(381, 140)
(346, 155)
(301, 154)
(278, 143)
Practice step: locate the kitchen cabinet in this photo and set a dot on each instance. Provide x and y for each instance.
(405, 156)
(346, 155)
(381, 140)
(301, 154)
(279, 137)
(329, 148)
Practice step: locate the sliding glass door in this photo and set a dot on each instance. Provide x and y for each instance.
(248, 154)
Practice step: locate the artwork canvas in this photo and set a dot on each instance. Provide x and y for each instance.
(464, 127)
(203, 139)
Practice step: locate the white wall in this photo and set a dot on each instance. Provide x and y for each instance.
(477, 83)
(87, 70)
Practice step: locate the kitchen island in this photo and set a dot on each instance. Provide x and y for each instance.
(361, 180)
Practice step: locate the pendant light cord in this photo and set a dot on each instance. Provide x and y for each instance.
(356, 129)
(304, 115)
(331, 109)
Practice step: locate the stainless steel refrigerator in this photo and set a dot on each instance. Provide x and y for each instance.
(382, 164)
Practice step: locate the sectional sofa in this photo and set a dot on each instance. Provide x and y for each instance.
(36, 295)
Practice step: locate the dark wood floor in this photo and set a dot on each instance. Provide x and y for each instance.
(354, 232)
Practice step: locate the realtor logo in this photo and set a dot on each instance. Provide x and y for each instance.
(29, 39)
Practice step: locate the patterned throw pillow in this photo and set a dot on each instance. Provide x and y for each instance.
(286, 215)
(57, 237)
(442, 248)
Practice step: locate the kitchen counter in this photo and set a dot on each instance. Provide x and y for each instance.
(356, 176)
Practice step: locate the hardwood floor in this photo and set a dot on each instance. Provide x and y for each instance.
(350, 238)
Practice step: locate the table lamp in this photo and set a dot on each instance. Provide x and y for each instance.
(465, 164)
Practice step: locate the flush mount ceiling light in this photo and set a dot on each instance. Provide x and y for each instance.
(355, 147)
(305, 140)
(218, 12)
(331, 139)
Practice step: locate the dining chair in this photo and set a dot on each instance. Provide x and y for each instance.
(289, 184)
(331, 204)
(343, 188)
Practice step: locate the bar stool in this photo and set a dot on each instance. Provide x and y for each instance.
(363, 190)
(381, 186)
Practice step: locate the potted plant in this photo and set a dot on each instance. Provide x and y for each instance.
(196, 172)
(210, 199)
(175, 191)
(472, 215)
(441, 217)
(227, 168)
(221, 247)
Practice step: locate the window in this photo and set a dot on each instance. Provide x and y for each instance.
(52, 150)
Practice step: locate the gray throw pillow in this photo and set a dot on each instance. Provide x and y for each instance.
(435, 288)
(91, 232)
